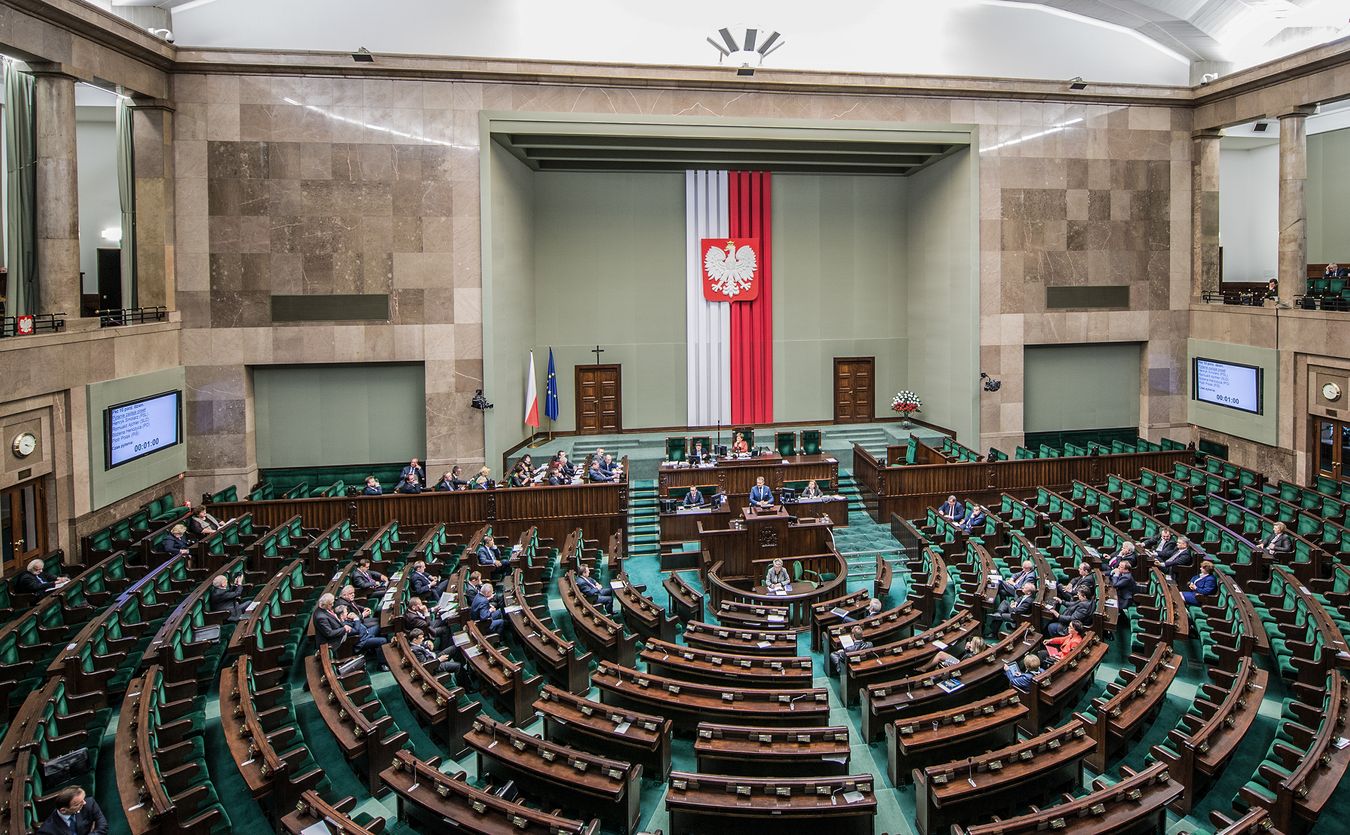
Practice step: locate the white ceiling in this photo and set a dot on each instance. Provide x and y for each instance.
(1144, 41)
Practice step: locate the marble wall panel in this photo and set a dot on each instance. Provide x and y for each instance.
(368, 185)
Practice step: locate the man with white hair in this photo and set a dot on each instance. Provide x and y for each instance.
(328, 627)
(34, 581)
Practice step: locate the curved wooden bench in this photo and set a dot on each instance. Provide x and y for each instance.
(756, 752)
(688, 704)
(1136, 803)
(623, 734)
(700, 665)
(918, 741)
(449, 800)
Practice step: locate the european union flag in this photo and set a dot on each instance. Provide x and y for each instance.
(551, 390)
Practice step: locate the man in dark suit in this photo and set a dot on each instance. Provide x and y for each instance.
(347, 600)
(694, 498)
(974, 520)
(839, 657)
(414, 468)
(565, 467)
(598, 473)
(1080, 609)
(593, 591)
(76, 814)
(453, 480)
(474, 586)
(699, 455)
(1010, 587)
(372, 487)
(1009, 611)
(952, 510)
(490, 558)
(1082, 580)
(1182, 557)
(33, 581)
(418, 616)
(485, 612)
(1161, 546)
(225, 596)
(368, 580)
(1122, 579)
(328, 627)
(409, 485)
(1125, 553)
(760, 494)
(175, 542)
(421, 585)
(1279, 543)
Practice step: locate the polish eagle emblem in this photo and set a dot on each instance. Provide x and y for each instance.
(730, 266)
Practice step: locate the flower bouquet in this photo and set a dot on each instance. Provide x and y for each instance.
(906, 403)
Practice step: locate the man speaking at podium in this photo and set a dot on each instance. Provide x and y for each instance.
(760, 494)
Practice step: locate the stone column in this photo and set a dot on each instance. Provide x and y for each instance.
(152, 140)
(1293, 269)
(1205, 276)
(57, 213)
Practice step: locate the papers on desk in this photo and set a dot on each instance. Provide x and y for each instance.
(763, 644)
(852, 797)
(1341, 742)
(511, 610)
(622, 727)
(252, 605)
(461, 638)
(515, 549)
(846, 641)
(777, 619)
(320, 828)
(940, 644)
(843, 613)
(472, 652)
(616, 584)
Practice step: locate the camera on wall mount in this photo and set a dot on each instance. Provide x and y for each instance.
(990, 384)
(480, 402)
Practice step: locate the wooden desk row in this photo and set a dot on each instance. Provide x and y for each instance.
(909, 490)
(601, 509)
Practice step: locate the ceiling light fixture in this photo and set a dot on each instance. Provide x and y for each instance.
(746, 50)
(363, 56)
(1077, 83)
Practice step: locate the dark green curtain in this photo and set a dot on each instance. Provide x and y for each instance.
(20, 191)
(126, 193)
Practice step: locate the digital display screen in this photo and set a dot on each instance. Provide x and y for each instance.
(138, 428)
(1229, 384)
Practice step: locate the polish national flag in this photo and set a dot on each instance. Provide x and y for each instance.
(531, 397)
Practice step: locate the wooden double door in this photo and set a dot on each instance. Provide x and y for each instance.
(1331, 448)
(854, 389)
(23, 524)
(599, 399)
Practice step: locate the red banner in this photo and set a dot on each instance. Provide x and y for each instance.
(731, 269)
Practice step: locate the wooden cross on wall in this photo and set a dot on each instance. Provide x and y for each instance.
(597, 350)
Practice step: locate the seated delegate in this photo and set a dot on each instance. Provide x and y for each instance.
(694, 498)
(739, 446)
(812, 490)
(777, 577)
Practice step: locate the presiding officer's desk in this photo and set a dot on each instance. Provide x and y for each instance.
(733, 477)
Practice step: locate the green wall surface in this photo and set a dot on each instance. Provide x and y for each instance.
(1261, 428)
(839, 287)
(943, 305)
(509, 300)
(107, 486)
(1073, 387)
(609, 268)
(1328, 198)
(321, 415)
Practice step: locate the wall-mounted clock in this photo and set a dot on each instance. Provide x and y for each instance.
(25, 444)
(1331, 392)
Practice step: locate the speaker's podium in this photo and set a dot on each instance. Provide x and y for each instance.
(760, 535)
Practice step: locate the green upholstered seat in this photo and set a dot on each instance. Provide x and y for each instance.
(785, 443)
(677, 449)
(810, 441)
